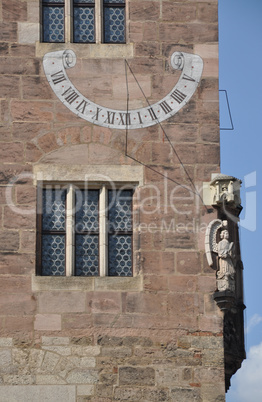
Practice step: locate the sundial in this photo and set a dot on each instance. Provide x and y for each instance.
(56, 63)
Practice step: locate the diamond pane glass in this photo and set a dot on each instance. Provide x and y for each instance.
(120, 255)
(53, 1)
(84, 1)
(53, 24)
(53, 217)
(84, 24)
(87, 211)
(53, 254)
(114, 1)
(114, 24)
(87, 255)
(120, 210)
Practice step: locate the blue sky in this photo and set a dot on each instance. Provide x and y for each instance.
(240, 52)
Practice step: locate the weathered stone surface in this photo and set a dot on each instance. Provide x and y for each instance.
(17, 325)
(47, 322)
(104, 302)
(117, 352)
(144, 10)
(145, 303)
(82, 376)
(185, 395)
(35, 87)
(31, 393)
(179, 12)
(136, 376)
(8, 31)
(55, 340)
(31, 111)
(19, 217)
(32, 153)
(155, 394)
(77, 321)
(4, 49)
(17, 49)
(26, 194)
(189, 33)
(188, 262)
(14, 11)
(19, 303)
(6, 342)
(157, 262)
(16, 263)
(208, 13)
(29, 131)
(128, 394)
(10, 86)
(9, 240)
(60, 302)
(5, 359)
(12, 152)
(85, 390)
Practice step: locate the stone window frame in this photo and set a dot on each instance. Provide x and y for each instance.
(120, 175)
(69, 233)
(99, 23)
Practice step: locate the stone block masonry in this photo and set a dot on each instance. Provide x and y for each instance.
(111, 367)
(154, 336)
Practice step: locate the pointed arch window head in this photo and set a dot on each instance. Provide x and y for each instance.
(84, 21)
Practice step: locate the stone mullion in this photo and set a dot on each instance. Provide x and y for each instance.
(98, 20)
(103, 235)
(70, 234)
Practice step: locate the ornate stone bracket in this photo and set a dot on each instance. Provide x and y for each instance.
(222, 190)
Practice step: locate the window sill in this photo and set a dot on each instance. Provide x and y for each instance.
(87, 284)
(89, 50)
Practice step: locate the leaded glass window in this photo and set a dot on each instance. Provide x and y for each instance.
(83, 24)
(87, 233)
(114, 21)
(120, 233)
(53, 232)
(84, 232)
(84, 21)
(53, 20)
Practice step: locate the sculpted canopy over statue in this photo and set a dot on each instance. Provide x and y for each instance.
(225, 252)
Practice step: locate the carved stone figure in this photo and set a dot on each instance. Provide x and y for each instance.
(226, 272)
(225, 252)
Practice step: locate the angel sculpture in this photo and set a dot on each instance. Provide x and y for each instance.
(225, 251)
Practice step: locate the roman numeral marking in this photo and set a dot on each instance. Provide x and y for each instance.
(165, 106)
(140, 118)
(178, 96)
(98, 110)
(81, 107)
(127, 120)
(110, 117)
(186, 77)
(71, 95)
(58, 77)
(152, 113)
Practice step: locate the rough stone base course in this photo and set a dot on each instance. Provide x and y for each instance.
(105, 368)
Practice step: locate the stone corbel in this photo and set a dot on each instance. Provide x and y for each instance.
(222, 190)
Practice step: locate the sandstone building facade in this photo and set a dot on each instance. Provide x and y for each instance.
(114, 282)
